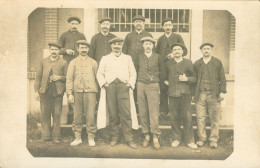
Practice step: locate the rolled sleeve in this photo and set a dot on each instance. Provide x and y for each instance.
(70, 77)
(132, 73)
(101, 73)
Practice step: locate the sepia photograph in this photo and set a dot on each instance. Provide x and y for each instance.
(84, 71)
(129, 84)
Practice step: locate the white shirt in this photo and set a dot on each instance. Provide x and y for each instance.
(138, 32)
(112, 67)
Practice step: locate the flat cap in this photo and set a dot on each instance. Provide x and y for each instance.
(74, 18)
(138, 17)
(55, 45)
(209, 44)
(148, 38)
(182, 46)
(83, 42)
(116, 39)
(105, 19)
(166, 20)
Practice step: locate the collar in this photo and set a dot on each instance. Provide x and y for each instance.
(206, 60)
(178, 61)
(83, 57)
(104, 33)
(50, 60)
(148, 54)
(73, 32)
(114, 55)
(166, 35)
(139, 32)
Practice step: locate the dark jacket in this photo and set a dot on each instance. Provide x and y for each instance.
(151, 70)
(178, 88)
(68, 40)
(59, 67)
(99, 46)
(217, 76)
(164, 44)
(133, 45)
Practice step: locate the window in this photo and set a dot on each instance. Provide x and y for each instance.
(122, 19)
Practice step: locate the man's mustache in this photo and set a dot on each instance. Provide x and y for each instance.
(105, 28)
(54, 54)
(117, 48)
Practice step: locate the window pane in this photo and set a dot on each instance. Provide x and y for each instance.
(158, 15)
(163, 14)
(114, 28)
(125, 27)
(140, 12)
(146, 13)
(175, 16)
(151, 28)
(152, 15)
(169, 13)
(183, 28)
(175, 28)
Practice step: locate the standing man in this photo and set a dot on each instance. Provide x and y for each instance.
(151, 70)
(68, 41)
(81, 88)
(116, 73)
(163, 48)
(132, 44)
(209, 92)
(99, 46)
(180, 77)
(49, 89)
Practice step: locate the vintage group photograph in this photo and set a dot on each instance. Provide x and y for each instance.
(134, 83)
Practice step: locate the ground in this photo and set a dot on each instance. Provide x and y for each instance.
(103, 150)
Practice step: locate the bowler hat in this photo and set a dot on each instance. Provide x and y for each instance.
(182, 46)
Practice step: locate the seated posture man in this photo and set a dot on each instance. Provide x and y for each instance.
(116, 73)
(180, 77)
(150, 70)
(49, 88)
(209, 92)
(82, 88)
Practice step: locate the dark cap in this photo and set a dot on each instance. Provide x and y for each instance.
(138, 17)
(74, 18)
(209, 44)
(166, 20)
(55, 45)
(182, 46)
(116, 39)
(83, 42)
(105, 19)
(148, 38)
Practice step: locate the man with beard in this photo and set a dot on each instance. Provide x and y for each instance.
(132, 44)
(116, 73)
(68, 41)
(163, 48)
(81, 88)
(181, 76)
(209, 92)
(49, 89)
(151, 71)
(99, 43)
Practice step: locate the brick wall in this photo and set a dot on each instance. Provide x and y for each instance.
(51, 26)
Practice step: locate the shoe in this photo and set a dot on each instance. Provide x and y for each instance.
(91, 142)
(156, 145)
(113, 142)
(146, 140)
(132, 145)
(213, 145)
(192, 145)
(200, 143)
(76, 142)
(175, 143)
(57, 141)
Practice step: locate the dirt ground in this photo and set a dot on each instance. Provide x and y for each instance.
(103, 150)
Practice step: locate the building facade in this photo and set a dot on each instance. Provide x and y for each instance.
(195, 26)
